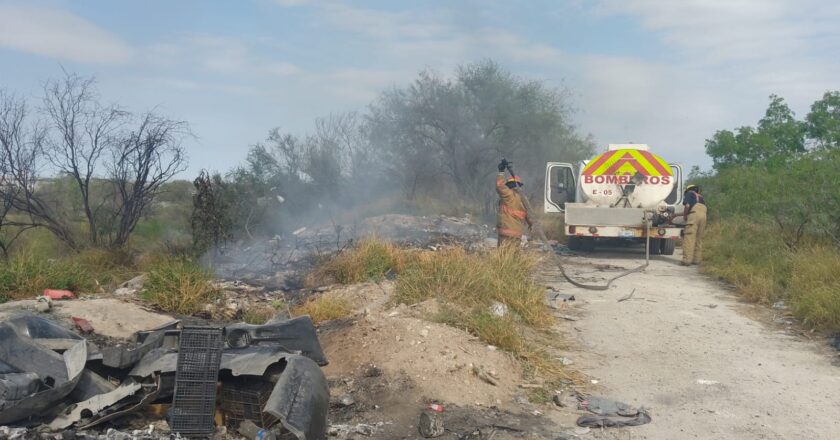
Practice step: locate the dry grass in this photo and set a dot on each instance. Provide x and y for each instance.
(815, 287)
(24, 276)
(324, 308)
(751, 257)
(370, 259)
(179, 286)
(258, 314)
(468, 284)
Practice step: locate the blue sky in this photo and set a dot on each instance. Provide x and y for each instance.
(663, 72)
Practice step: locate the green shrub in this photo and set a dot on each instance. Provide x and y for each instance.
(178, 285)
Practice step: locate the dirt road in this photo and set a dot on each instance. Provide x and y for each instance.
(705, 365)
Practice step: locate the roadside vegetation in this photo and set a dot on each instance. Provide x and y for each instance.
(774, 200)
(178, 285)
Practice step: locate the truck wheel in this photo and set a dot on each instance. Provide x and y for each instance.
(587, 244)
(575, 243)
(654, 246)
(668, 246)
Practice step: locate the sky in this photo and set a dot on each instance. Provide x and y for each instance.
(668, 73)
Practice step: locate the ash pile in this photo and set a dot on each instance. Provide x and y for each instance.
(172, 381)
(276, 262)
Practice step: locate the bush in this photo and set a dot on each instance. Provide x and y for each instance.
(468, 284)
(178, 285)
(750, 256)
(25, 276)
(370, 259)
(815, 287)
(324, 308)
(476, 280)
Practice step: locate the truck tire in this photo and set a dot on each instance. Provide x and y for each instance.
(575, 243)
(587, 244)
(654, 246)
(668, 246)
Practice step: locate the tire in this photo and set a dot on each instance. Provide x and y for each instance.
(575, 243)
(654, 246)
(667, 246)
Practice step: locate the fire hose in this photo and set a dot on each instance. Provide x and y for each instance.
(542, 237)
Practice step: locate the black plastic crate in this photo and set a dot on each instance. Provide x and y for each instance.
(244, 400)
(194, 400)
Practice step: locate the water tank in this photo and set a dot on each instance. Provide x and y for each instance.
(626, 177)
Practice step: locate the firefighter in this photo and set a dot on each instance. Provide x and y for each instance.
(512, 216)
(695, 224)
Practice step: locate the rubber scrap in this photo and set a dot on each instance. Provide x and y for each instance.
(82, 324)
(58, 294)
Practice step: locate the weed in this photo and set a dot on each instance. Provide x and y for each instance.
(815, 287)
(370, 259)
(475, 281)
(751, 257)
(24, 276)
(258, 314)
(179, 286)
(324, 308)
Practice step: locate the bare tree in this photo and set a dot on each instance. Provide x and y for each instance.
(21, 155)
(82, 132)
(145, 159)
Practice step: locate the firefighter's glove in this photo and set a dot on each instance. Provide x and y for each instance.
(503, 165)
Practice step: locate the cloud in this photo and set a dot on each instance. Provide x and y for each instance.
(59, 34)
(219, 55)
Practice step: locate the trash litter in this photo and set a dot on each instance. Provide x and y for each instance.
(707, 382)
(82, 324)
(610, 414)
(250, 430)
(52, 379)
(436, 407)
(196, 374)
(58, 294)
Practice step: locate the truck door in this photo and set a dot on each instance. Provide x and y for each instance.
(676, 197)
(560, 186)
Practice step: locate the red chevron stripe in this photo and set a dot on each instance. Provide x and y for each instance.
(600, 161)
(655, 163)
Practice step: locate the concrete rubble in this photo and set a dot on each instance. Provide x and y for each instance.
(55, 383)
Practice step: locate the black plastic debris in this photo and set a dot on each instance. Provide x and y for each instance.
(196, 374)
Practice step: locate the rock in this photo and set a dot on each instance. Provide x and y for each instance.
(135, 283)
(125, 291)
(559, 400)
(520, 399)
(346, 400)
(431, 424)
(499, 309)
(43, 305)
(424, 332)
(565, 361)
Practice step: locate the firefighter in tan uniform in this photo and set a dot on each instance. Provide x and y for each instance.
(695, 224)
(512, 216)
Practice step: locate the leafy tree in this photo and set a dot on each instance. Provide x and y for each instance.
(441, 132)
(823, 122)
(778, 138)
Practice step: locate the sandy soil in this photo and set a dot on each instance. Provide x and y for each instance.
(706, 365)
